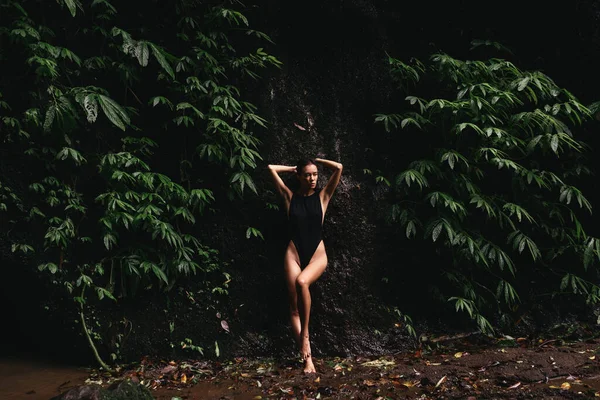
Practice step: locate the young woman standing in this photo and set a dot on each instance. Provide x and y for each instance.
(305, 258)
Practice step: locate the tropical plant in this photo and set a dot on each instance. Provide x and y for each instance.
(122, 125)
(492, 182)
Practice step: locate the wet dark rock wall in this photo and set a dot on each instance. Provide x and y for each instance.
(321, 103)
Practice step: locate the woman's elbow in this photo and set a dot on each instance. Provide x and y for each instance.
(340, 167)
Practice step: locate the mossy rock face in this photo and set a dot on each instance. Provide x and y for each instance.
(121, 390)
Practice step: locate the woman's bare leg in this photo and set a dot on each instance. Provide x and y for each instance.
(307, 277)
(292, 270)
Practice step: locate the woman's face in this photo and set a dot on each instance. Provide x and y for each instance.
(308, 177)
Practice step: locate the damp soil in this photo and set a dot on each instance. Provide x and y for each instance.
(465, 368)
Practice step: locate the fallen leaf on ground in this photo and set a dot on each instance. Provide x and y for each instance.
(378, 363)
(442, 380)
(458, 355)
(565, 386)
(369, 383)
(516, 385)
(225, 325)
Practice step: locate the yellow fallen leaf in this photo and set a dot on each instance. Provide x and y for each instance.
(377, 363)
(592, 357)
(257, 397)
(458, 355)
(565, 386)
(183, 378)
(318, 379)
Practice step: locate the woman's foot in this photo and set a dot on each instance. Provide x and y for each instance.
(309, 367)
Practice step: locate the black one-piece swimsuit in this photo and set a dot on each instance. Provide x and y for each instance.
(305, 223)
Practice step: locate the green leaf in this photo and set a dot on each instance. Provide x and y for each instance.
(72, 5)
(113, 111)
(159, 54)
(160, 273)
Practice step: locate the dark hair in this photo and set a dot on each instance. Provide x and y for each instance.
(303, 163)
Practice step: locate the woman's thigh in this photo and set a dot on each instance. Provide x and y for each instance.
(316, 267)
(291, 264)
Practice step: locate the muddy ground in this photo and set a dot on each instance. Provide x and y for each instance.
(472, 367)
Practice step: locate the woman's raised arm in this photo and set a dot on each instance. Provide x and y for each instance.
(283, 190)
(334, 180)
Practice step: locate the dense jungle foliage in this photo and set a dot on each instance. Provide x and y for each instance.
(122, 126)
(492, 186)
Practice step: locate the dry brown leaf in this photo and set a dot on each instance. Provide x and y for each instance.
(183, 378)
(318, 379)
(369, 382)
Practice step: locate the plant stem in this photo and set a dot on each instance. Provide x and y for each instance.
(89, 338)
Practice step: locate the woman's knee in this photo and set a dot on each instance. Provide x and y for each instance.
(302, 281)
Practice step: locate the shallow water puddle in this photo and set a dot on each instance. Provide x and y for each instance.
(36, 380)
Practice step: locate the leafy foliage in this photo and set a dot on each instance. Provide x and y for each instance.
(495, 189)
(129, 123)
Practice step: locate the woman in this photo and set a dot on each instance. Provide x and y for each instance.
(305, 257)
